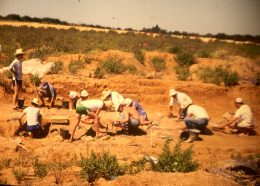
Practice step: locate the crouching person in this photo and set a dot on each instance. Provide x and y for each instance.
(33, 118)
(129, 117)
(82, 110)
(197, 118)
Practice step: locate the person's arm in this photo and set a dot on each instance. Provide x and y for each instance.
(97, 111)
(75, 126)
(20, 118)
(231, 122)
(126, 119)
(180, 112)
(171, 107)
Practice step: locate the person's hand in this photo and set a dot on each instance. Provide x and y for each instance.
(170, 115)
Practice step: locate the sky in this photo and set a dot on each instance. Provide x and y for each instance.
(197, 16)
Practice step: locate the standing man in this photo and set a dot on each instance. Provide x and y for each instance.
(182, 99)
(16, 69)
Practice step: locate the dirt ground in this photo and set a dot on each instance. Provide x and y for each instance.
(153, 94)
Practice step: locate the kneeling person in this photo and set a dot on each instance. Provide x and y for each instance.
(33, 118)
(197, 118)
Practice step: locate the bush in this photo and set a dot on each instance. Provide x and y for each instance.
(185, 59)
(131, 69)
(74, 66)
(174, 50)
(35, 80)
(158, 64)
(20, 173)
(218, 75)
(100, 165)
(139, 55)
(6, 84)
(113, 66)
(182, 73)
(98, 73)
(204, 54)
(177, 160)
(40, 169)
(58, 66)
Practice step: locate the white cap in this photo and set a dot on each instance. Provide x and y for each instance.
(172, 92)
(84, 93)
(72, 94)
(127, 101)
(239, 100)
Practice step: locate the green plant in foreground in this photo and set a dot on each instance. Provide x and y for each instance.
(40, 169)
(6, 84)
(131, 68)
(176, 160)
(20, 173)
(185, 59)
(74, 66)
(158, 64)
(100, 165)
(98, 73)
(139, 55)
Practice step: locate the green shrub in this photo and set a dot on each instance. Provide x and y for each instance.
(74, 66)
(204, 54)
(139, 55)
(174, 50)
(185, 59)
(100, 165)
(58, 66)
(176, 160)
(158, 64)
(113, 66)
(218, 75)
(88, 60)
(20, 173)
(98, 73)
(6, 84)
(182, 73)
(131, 69)
(34, 79)
(40, 169)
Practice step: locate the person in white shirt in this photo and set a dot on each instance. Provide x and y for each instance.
(73, 98)
(197, 118)
(243, 118)
(182, 99)
(114, 96)
(33, 118)
(16, 69)
(83, 110)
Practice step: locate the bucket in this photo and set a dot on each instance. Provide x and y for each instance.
(64, 133)
(189, 136)
(65, 104)
(20, 102)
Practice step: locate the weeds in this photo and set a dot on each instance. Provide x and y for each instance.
(40, 169)
(139, 55)
(20, 173)
(35, 79)
(58, 66)
(100, 165)
(182, 73)
(218, 75)
(185, 59)
(74, 66)
(113, 66)
(6, 84)
(158, 64)
(131, 68)
(98, 73)
(177, 160)
(174, 50)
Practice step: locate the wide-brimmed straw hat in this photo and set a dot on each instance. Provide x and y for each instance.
(19, 52)
(105, 94)
(84, 93)
(72, 94)
(172, 92)
(35, 101)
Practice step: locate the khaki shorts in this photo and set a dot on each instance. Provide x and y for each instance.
(244, 125)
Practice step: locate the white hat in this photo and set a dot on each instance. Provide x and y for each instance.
(239, 100)
(35, 101)
(172, 92)
(72, 94)
(84, 93)
(19, 51)
(127, 101)
(105, 94)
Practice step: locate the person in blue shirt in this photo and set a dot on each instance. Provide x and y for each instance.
(46, 90)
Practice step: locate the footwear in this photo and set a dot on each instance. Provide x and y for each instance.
(15, 108)
(217, 128)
